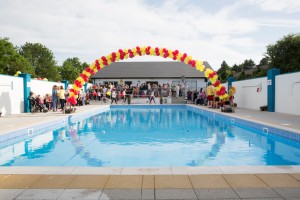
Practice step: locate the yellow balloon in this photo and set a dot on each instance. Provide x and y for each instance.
(208, 70)
(75, 87)
(179, 56)
(219, 87)
(143, 50)
(152, 51)
(101, 65)
(189, 58)
(215, 77)
(108, 57)
(126, 53)
(201, 68)
(92, 66)
(170, 53)
(80, 79)
(212, 81)
(206, 73)
(161, 52)
(117, 55)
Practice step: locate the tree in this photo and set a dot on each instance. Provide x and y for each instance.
(224, 72)
(247, 64)
(42, 60)
(11, 61)
(236, 68)
(71, 68)
(285, 53)
(69, 72)
(264, 61)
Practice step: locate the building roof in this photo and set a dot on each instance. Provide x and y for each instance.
(149, 70)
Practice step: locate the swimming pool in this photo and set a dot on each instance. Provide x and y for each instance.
(153, 136)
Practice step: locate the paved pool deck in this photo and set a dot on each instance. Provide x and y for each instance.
(215, 182)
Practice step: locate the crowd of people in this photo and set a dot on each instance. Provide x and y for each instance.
(208, 97)
(121, 92)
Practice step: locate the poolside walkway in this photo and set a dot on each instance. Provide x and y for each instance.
(220, 182)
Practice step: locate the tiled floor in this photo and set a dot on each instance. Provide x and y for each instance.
(215, 182)
(226, 186)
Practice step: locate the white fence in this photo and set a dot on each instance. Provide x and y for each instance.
(251, 94)
(287, 93)
(11, 95)
(43, 87)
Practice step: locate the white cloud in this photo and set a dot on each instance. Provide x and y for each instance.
(288, 6)
(91, 29)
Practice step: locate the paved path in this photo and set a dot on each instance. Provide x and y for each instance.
(275, 183)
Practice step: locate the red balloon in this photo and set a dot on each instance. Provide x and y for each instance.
(148, 50)
(97, 66)
(157, 51)
(211, 75)
(217, 83)
(218, 93)
(103, 58)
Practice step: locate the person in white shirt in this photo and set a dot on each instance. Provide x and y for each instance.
(113, 97)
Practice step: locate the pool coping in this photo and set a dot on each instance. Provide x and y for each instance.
(155, 170)
(288, 169)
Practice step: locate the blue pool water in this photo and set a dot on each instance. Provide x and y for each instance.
(151, 136)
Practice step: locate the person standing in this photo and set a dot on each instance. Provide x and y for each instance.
(210, 94)
(113, 97)
(152, 97)
(82, 95)
(54, 98)
(62, 98)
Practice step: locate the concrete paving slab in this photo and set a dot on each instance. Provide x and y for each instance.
(124, 181)
(215, 193)
(196, 170)
(37, 194)
(97, 170)
(53, 182)
(148, 182)
(19, 181)
(208, 181)
(172, 181)
(88, 182)
(80, 194)
(265, 199)
(244, 181)
(4, 176)
(256, 193)
(109, 194)
(143, 170)
(175, 194)
(10, 194)
(296, 176)
(288, 192)
(148, 194)
(279, 180)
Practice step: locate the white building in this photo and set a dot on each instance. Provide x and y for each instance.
(152, 72)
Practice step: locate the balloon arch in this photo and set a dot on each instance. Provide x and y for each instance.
(141, 51)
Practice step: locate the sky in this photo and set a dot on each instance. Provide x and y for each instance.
(208, 30)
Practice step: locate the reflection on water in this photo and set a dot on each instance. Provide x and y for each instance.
(151, 137)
